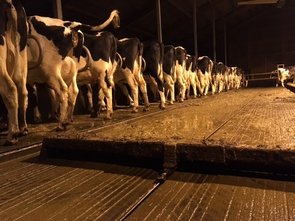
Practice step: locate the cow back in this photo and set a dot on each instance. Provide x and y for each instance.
(130, 49)
(169, 58)
(101, 46)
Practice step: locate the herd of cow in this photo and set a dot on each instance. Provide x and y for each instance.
(65, 55)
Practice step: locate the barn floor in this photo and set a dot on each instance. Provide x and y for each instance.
(247, 121)
(249, 129)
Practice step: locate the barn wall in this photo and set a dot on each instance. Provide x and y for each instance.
(264, 41)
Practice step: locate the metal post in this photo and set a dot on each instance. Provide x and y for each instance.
(214, 34)
(57, 9)
(159, 22)
(225, 42)
(195, 28)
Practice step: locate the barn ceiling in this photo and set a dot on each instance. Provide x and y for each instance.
(139, 17)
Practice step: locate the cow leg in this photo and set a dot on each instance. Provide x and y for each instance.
(101, 97)
(182, 88)
(143, 88)
(125, 91)
(170, 87)
(207, 84)
(95, 102)
(61, 90)
(20, 79)
(108, 94)
(159, 84)
(53, 114)
(23, 104)
(187, 88)
(130, 78)
(89, 97)
(73, 93)
(193, 84)
(8, 91)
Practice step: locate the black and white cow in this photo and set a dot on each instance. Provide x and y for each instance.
(100, 74)
(13, 66)
(61, 46)
(204, 71)
(218, 74)
(180, 67)
(169, 72)
(153, 52)
(56, 68)
(285, 74)
(190, 76)
(131, 51)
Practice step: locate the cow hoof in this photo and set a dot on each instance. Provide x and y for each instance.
(24, 132)
(162, 107)
(11, 142)
(109, 116)
(170, 102)
(181, 101)
(37, 120)
(103, 109)
(61, 128)
(135, 110)
(146, 109)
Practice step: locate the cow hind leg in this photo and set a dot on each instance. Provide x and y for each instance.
(108, 94)
(8, 91)
(160, 86)
(169, 88)
(73, 93)
(23, 104)
(61, 90)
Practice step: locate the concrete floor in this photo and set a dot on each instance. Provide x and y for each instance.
(249, 129)
(33, 189)
(47, 188)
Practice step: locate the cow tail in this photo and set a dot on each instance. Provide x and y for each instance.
(140, 57)
(161, 57)
(89, 60)
(114, 18)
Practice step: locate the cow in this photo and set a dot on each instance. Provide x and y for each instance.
(169, 72)
(191, 76)
(180, 67)
(61, 43)
(204, 71)
(100, 74)
(131, 51)
(218, 77)
(153, 52)
(283, 75)
(13, 67)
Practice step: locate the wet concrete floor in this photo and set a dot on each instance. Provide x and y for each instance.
(34, 188)
(246, 128)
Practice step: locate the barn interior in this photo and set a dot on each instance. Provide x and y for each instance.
(223, 156)
(255, 35)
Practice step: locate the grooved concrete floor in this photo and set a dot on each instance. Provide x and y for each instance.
(32, 190)
(251, 129)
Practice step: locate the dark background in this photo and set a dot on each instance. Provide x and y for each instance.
(259, 36)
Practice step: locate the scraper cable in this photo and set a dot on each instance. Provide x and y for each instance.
(158, 182)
